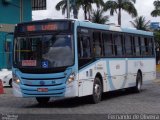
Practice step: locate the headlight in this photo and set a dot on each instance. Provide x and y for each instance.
(16, 79)
(71, 78)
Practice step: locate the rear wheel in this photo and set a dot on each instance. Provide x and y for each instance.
(97, 91)
(42, 100)
(138, 87)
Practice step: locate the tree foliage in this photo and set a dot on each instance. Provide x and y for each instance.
(156, 11)
(141, 23)
(157, 36)
(62, 5)
(86, 5)
(126, 5)
(98, 17)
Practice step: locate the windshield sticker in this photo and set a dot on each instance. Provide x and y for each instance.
(31, 63)
(45, 64)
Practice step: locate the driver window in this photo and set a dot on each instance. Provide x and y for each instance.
(97, 44)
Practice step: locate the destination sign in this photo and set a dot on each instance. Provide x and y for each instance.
(52, 26)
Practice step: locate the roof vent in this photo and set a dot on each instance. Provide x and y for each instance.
(87, 21)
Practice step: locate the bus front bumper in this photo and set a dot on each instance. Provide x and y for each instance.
(57, 92)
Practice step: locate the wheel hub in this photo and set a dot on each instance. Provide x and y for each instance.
(97, 90)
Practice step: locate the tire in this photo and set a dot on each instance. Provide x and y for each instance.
(97, 91)
(42, 100)
(138, 87)
(10, 82)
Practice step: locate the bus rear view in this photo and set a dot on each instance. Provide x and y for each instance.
(43, 64)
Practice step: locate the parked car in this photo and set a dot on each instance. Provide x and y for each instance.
(6, 77)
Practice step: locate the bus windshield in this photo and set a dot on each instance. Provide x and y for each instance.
(44, 51)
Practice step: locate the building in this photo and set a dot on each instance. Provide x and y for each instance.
(155, 25)
(11, 13)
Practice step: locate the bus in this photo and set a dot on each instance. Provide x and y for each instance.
(65, 58)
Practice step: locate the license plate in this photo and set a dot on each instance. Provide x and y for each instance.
(42, 89)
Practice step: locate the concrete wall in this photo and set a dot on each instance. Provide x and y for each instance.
(11, 14)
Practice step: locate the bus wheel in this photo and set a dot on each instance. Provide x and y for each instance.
(138, 86)
(42, 100)
(97, 91)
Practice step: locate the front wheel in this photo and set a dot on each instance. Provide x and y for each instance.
(97, 91)
(42, 100)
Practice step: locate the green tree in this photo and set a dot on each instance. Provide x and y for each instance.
(62, 5)
(157, 36)
(87, 6)
(157, 44)
(75, 6)
(156, 11)
(126, 5)
(98, 17)
(140, 23)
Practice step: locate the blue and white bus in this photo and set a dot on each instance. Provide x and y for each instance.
(71, 58)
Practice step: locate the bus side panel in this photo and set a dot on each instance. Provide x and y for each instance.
(116, 72)
(133, 67)
(148, 70)
(145, 65)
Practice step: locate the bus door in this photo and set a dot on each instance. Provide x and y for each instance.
(84, 61)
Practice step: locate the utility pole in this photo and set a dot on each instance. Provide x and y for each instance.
(75, 11)
(21, 10)
(68, 9)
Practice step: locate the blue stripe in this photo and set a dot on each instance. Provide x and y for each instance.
(126, 74)
(112, 87)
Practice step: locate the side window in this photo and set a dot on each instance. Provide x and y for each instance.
(97, 44)
(150, 46)
(108, 44)
(136, 46)
(128, 45)
(146, 42)
(84, 46)
(143, 47)
(118, 38)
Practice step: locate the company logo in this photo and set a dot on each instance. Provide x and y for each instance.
(42, 83)
(53, 82)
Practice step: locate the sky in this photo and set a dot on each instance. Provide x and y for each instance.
(144, 7)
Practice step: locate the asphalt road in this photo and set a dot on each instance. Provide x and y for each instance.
(119, 102)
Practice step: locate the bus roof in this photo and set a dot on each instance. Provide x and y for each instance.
(89, 24)
(114, 28)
